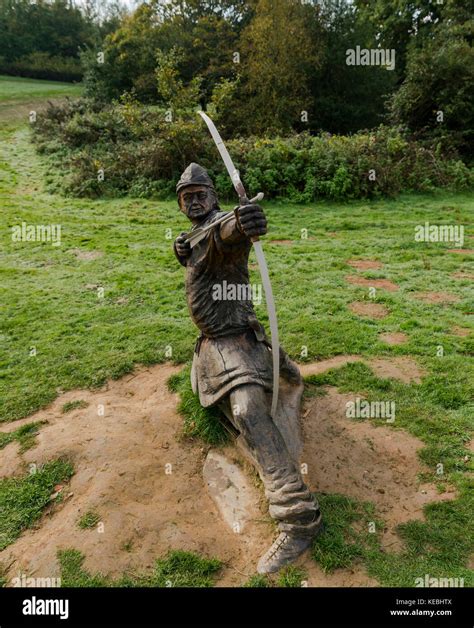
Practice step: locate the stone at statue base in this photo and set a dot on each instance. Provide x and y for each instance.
(231, 491)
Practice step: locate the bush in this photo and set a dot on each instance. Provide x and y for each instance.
(41, 65)
(143, 154)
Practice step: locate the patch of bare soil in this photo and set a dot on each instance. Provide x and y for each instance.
(369, 310)
(315, 368)
(393, 338)
(85, 255)
(402, 368)
(384, 284)
(436, 297)
(332, 234)
(461, 331)
(13, 111)
(377, 464)
(365, 264)
(461, 275)
(461, 251)
(282, 242)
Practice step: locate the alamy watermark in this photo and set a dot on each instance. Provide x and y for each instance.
(362, 409)
(371, 56)
(37, 233)
(440, 233)
(24, 581)
(237, 292)
(431, 581)
(39, 606)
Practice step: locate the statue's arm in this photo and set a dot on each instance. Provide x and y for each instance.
(249, 221)
(231, 232)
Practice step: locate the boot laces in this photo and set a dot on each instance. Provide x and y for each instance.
(277, 545)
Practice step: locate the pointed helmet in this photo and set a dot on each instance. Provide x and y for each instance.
(194, 175)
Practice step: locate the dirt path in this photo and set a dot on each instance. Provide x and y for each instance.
(15, 111)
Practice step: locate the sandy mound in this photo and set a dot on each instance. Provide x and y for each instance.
(403, 368)
(461, 331)
(85, 255)
(369, 310)
(436, 297)
(315, 368)
(121, 472)
(461, 251)
(394, 338)
(461, 275)
(365, 264)
(384, 284)
(377, 464)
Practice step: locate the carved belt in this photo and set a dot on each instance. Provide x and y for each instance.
(253, 325)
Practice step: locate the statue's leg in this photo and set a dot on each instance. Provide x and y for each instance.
(291, 502)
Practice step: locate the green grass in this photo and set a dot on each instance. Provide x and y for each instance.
(258, 581)
(439, 412)
(23, 499)
(52, 305)
(25, 435)
(198, 421)
(3, 575)
(88, 520)
(20, 96)
(439, 546)
(288, 577)
(347, 535)
(74, 405)
(177, 569)
(291, 577)
(18, 89)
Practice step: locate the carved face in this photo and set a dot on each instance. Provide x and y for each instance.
(196, 201)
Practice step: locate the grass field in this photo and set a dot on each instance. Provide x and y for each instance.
(111, 295)
(54, 303)
(17, 88)
(18, 96)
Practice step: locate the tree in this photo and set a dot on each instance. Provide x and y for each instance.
(397, 23)
(58, 28)
(205, 34)
(346, 98)
(277, 54)
(436, 99)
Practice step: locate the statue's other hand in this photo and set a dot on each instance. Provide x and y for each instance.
(183, 248)
(252, 220)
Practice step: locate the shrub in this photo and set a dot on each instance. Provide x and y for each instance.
(41, 65)
(143, 154)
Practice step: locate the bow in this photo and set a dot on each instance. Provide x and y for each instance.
(267, 286)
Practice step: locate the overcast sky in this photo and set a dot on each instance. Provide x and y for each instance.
(102, 4)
